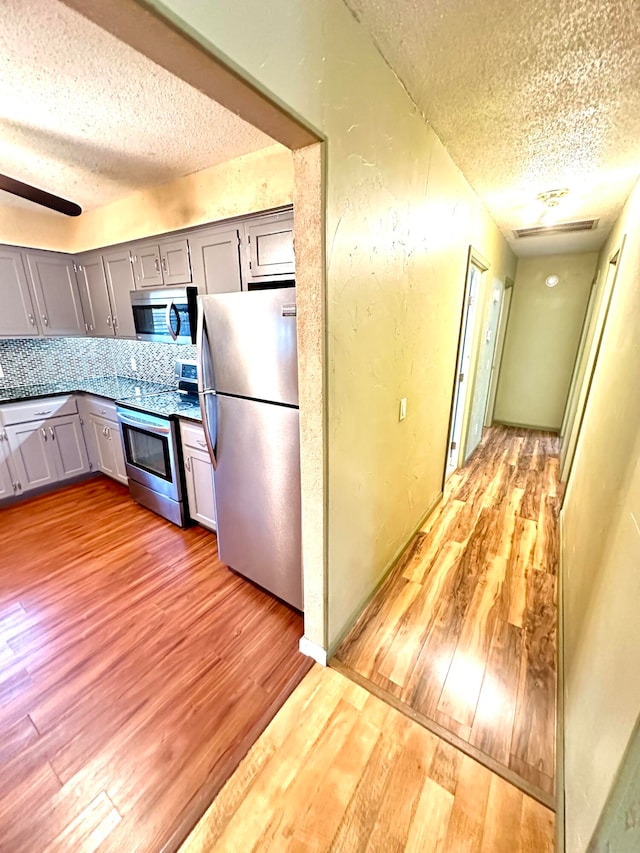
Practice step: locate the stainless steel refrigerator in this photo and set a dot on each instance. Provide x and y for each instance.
(248, 386)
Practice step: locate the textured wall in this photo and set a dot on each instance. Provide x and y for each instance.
(542, 339)
(399, 221)
(601, 557)
(26, 360)
(247, 184)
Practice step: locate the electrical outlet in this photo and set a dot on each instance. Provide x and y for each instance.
(403, 408)
(134, 364)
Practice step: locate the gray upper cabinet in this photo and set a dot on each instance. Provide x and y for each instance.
(94, 295)
(215, 260)
(55, 286)
(120, 282)
(268, 246)
(17, 311)
(161, 263)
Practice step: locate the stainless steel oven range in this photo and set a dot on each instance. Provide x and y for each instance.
(152, 463)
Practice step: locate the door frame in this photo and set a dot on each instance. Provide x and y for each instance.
(474, 259)
(571, 439)
(498, 352)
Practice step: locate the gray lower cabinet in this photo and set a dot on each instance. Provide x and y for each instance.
(215, 260)
(198, 472)
(17, 311)
(94, 294)
(31, 461)
(268, 249)
(8, 485)
(161, 263)
(55, 286)
(107, 441)
(46, 452)
(120, 282)
(103, 436)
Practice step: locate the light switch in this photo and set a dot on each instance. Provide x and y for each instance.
(403, 408)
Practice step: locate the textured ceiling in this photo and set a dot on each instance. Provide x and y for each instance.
(84, 116)
(526, 96)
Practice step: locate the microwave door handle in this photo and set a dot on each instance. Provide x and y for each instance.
(171, 307)
(210, 424)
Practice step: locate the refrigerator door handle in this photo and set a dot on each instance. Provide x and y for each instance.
(205, 367)
(209, 411)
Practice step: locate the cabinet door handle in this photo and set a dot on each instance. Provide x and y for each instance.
(109, 433)
(104, 431)
(19, 485)
(45, 319)
(32, 319)
(108, 319)
(86, 327)
(52, 434)
(115, 322)
(156, 264)
(164, 264)
(44, 433)
(187, 464)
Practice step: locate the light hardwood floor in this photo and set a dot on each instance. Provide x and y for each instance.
(340, 770)
(462, 635)
(135, 672)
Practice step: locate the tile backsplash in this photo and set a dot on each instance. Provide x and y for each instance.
(31, 360)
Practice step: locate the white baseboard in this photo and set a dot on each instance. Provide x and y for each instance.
(313, 650)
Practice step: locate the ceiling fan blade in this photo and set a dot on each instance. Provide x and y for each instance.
(54, 202)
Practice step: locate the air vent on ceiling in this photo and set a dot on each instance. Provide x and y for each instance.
(560, 228)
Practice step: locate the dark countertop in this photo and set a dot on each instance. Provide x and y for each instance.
(152, 397)
(169, 403)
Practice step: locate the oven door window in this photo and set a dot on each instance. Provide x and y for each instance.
(152, 320)
(147, 451)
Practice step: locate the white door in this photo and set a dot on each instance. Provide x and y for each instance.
(146, 266)
(57, 295)
(174, 260)
(462, 374)
(17, 314)
(119, 272)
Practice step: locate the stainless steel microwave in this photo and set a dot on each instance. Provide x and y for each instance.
(167, 315)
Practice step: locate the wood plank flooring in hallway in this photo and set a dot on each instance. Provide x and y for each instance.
(135, 672)
(340, 770)
(462, 634)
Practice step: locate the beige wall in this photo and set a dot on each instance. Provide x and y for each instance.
(601, 556)
(248, 184)
(34, 229)
(542, 339)
(399, 221)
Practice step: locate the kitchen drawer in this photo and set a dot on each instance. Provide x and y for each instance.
(100, 407)
(35, 410)
(193, 436)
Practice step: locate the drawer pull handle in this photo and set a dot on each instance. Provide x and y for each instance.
(201, 443)
(43, 412)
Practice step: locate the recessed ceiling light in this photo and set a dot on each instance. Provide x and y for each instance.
(551, 280)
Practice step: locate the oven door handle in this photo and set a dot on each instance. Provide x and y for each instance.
(171, 307)
(157, 428)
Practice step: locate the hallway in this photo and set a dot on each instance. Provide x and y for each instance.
(462, 634)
